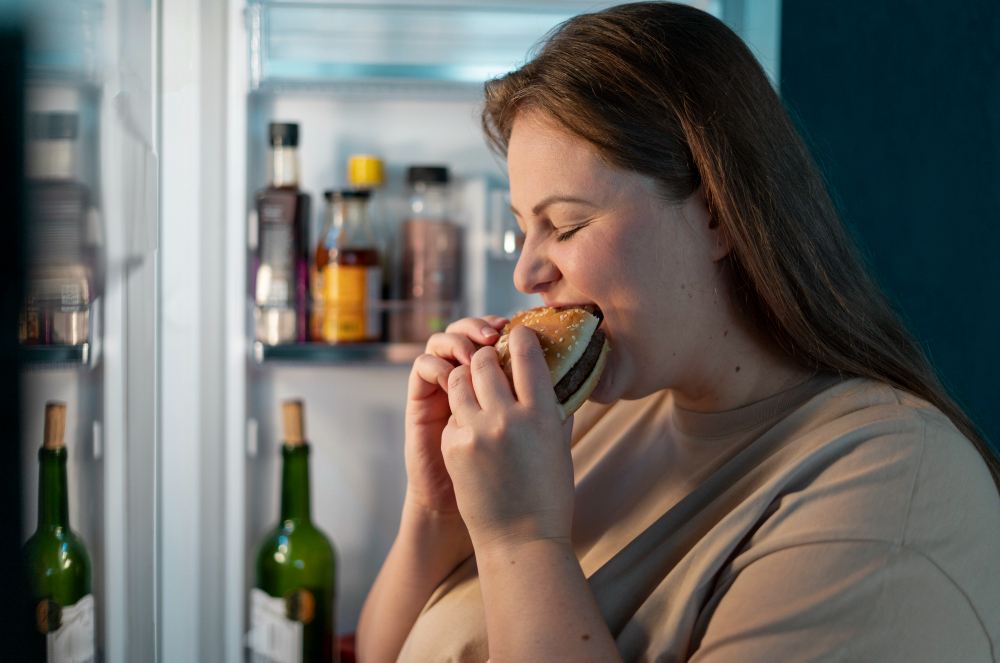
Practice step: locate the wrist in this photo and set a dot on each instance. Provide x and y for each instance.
(511, 546)
(439, 538)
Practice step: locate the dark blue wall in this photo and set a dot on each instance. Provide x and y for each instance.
(900, 103)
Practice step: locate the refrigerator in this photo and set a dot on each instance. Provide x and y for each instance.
(173, 420)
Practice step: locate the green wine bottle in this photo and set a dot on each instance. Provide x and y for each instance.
(292, 606)
(57, 560)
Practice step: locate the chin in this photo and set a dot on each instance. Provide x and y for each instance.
(607, 390)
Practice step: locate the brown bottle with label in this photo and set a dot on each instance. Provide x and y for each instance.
(281, 259)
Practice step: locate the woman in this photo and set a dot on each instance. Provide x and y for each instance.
(769, 469)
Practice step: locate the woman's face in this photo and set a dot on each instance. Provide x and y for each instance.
(597, 234)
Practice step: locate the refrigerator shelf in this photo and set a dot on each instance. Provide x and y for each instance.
(55, 356)
(450, 43)
(398, 354)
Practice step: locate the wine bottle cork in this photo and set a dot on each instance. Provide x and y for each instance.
(294, 421)
(55, 424)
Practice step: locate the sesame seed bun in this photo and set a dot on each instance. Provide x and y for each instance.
(574, 347)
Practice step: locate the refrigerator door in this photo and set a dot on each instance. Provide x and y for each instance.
(96, 62)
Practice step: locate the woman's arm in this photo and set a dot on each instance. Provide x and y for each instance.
(539, 606)
(432, 538)
(428, 546)
(508, 455)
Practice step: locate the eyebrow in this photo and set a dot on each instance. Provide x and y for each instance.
(551, 200)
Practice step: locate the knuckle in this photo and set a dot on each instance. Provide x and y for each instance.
(522, 351)
(456, 376)
(523, 342)
(435, 340)
(498, 429)
(483, 357)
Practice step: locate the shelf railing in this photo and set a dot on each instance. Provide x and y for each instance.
(397, 354)
(55, 356)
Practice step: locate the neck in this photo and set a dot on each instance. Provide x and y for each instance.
(284, 167)
(53, 501)
(295, 483)
(741, 368)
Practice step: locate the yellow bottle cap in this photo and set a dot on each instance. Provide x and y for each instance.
(365, 171)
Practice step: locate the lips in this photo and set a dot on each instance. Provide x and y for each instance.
(592, 308)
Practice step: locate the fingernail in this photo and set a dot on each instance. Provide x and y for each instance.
(489, 332)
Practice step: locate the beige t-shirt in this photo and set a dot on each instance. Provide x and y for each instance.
(839, 520)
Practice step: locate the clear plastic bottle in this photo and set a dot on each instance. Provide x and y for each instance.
(431, 247)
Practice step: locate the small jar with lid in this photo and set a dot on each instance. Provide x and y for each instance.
(431, 248)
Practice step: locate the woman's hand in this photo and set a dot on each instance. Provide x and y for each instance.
(507, 452)
(429, 488)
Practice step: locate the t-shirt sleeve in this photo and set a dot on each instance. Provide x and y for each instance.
(840, 601)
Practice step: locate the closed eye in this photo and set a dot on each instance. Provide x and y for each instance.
(563, 236)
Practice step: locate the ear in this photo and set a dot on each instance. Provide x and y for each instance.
(699, 208)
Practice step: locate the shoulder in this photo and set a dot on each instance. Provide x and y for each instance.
(866, 428)
(886, 470)
(883, 462)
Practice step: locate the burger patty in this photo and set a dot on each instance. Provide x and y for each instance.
(577, 375)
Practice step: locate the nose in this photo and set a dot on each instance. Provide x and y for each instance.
(534, 273)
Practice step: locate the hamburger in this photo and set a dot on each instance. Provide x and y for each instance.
(575, 349)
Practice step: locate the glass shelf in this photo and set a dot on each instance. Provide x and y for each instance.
(452, 42)
(55, 356)
(395, 354)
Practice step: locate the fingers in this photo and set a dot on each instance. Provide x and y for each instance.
(484, 330)
(463, 337)
(532, 380)
(429, 373)
(461, 395)
(489, 381)
(457, 348)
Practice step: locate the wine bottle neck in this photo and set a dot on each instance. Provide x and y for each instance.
(53, 498)
(295, 482)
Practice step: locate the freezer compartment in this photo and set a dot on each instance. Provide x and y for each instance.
(448, 44)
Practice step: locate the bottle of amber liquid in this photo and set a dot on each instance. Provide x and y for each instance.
(292, 606)
(57, 561)
(366, 171)
(348, 272)
(281, 261)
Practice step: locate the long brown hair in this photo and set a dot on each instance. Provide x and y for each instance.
(669, 91)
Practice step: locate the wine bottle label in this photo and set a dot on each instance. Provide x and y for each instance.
(300, 606)
(274, 636)
(69, 630)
